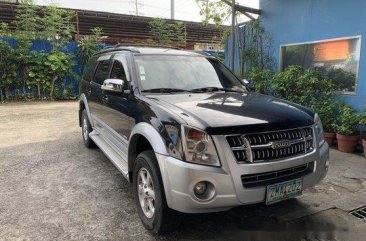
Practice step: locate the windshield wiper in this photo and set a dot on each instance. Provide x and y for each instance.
(212, 89)
(164, 90)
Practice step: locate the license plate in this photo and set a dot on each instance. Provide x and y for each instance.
(284, 190)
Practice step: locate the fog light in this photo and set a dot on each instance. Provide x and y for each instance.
(200, 188)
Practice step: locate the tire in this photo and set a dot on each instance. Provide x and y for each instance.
(86, 129)
(162, 220)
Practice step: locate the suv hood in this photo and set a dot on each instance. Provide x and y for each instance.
(231, 112)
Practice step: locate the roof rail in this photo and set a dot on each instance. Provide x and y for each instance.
(118, 48)
(148, 45)
(131, 47)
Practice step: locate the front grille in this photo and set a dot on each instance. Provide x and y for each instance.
(268, 146)
(269, 178)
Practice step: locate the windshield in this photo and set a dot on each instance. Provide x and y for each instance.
(184, 73)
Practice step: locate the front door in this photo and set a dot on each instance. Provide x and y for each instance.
(119, 106)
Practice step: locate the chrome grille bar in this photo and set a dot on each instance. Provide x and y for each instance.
(269, 146)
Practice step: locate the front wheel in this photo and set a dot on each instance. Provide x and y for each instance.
(149, 194)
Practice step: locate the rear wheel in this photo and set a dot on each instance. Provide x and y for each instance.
(149, 194)
(86, 129)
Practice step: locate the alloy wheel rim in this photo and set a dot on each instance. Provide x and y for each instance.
(146, 193)
(85, 129)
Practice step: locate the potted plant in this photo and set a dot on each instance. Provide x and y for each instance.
(346, 128)
(326, 107)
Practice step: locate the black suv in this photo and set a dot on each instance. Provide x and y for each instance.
(190, 136)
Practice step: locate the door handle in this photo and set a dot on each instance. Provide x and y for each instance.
(89, 91)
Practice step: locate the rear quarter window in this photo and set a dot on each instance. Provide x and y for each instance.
(89, 69)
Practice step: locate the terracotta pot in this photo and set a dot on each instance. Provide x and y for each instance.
(329, 137)
(363, 137)
(347, 143)
(364, 146)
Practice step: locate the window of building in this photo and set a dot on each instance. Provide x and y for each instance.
(335, 59)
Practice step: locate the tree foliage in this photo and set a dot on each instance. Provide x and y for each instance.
(7, 68)
(89, 45)
(165, 33)
(262, 80)
(57, 26)
(36, 73)
(326, 107)
(27, 23)
(255, 49)
(214, 11)
(300, 85)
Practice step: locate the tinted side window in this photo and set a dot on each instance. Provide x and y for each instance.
(101, 73)
(88, 70)
(118, 72)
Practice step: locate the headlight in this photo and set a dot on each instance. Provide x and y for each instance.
(319, 131)
(199, 147)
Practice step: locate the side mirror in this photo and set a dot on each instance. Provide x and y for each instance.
(249, 84)
(113, 85)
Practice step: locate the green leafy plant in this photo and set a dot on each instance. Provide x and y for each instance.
(179, 35)
(57, 26)
(4, 29)
(59, 67)
(341, 79)
(347, 121)
(37, 76)
(88, 45)
(36, 72)
(327, 109)
(255, 49)
(160, 30)
(8, 69)
(27, 22)
(165, 33)
(262, 80)
(299, 85)
(214, 11)
(363, 119)
(27, 29)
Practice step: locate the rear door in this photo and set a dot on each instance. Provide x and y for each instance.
(95, 100)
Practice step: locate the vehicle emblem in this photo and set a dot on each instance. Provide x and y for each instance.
(280, 144)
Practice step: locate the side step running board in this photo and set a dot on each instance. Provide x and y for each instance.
(117, 158)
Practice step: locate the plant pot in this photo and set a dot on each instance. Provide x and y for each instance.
(347, 143)
(364, 146)
(363, 137)
(329, 137)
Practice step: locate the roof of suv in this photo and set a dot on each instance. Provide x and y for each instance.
(150, 50)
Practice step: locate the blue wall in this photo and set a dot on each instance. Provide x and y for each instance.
(294, 21)
(44, 45)
(241, 32)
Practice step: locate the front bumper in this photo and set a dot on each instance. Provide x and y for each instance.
(180, 177)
